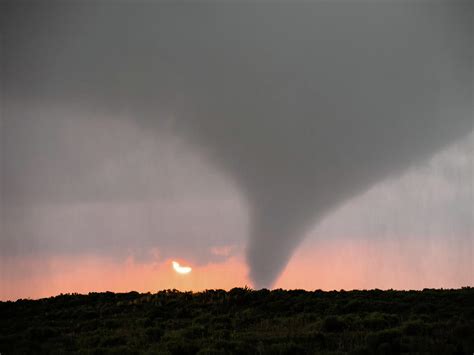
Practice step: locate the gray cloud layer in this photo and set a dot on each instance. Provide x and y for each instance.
(301, 106)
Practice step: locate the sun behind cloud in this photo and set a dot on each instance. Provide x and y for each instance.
(181, 269)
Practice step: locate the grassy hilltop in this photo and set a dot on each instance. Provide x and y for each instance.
(243, 321)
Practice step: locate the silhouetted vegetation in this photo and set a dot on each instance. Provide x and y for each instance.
(242, 321)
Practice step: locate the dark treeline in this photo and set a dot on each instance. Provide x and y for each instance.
(243, 321)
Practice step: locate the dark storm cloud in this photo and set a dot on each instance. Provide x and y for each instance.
(302, 105)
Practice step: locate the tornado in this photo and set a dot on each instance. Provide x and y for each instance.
(304, 106)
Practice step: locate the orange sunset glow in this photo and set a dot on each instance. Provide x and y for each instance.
(333, 265)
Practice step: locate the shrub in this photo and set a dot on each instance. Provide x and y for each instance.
(287, 349)
(154, 334)
(333, 324)
(385, 341)
(416, 327)
(113, 340)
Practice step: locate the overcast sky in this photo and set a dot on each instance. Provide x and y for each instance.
(209, 131)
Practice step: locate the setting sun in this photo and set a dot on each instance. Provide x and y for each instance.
(181, 269)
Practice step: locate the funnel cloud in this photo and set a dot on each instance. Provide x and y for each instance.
(302, 106)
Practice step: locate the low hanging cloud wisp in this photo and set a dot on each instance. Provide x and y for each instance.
(303, 106)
